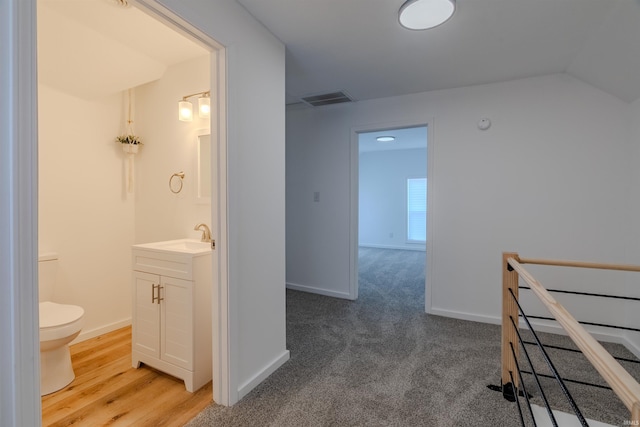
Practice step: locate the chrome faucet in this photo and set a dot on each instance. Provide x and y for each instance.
(206, 233)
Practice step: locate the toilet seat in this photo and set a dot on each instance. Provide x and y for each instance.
(59, 320)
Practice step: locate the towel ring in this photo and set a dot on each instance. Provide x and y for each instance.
(176, 189)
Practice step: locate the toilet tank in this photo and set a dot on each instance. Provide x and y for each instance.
(47, 275)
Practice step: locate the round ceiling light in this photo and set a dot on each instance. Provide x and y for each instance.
(425, 14)
(385, 138)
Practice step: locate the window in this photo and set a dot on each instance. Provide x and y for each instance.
(417, 210)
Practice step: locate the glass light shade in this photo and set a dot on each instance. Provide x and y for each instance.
(204, 107)
(425, 14)
(185, 111)
(386, 138)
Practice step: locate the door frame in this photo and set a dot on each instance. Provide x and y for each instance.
(223, 381)
(354, 160)
(20, 401)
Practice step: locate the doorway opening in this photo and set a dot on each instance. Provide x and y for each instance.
(109, 203)
(390, 181)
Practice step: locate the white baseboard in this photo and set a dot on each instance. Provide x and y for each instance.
(245, 388)
(539, 327)
(92, 333)
(320, 291)
(632, 347)
(465, 316)
(403, 248)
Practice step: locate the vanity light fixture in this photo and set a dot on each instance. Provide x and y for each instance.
(204, 106)
(425, 14)
(185, 111)
(185, 107)
(386, 138)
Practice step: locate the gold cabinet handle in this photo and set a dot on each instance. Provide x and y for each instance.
(155, 298)
(160, 299)
(153, 293)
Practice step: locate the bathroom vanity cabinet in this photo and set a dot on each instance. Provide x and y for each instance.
(171, 326)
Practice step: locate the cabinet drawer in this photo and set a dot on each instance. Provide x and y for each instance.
(164, 264)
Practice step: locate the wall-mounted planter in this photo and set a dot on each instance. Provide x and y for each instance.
(130, 148)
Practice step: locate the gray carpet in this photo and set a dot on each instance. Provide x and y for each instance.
(381, 361)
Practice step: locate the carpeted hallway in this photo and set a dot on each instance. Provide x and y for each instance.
(377, 361)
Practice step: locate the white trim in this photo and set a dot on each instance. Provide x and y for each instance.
(539, 327)
(263, 374)
(413, 247)
(430, 263)
(354, 164)
(480, 318)
(224, 382)
(631, 346)
(223, 368)
(96, 332)
(230, 293)
(20, 403)
(353, 199)
(319, 291)
(173, 20)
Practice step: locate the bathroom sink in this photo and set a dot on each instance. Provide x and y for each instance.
(187, 246)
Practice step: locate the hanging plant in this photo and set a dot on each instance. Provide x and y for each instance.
(129, 139)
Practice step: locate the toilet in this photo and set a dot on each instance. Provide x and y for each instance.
(59, 325)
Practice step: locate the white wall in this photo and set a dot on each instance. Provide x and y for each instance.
(318, 233)
(255, 169)
(84, 214)
(548, 179)
(19, 358)
(633, 289)
(383, 196)
(169, 147)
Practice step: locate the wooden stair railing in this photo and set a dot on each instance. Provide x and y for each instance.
(621, 382)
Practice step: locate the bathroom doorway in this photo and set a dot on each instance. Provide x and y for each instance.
(93, 205)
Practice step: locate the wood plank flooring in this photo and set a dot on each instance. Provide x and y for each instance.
(108, 391)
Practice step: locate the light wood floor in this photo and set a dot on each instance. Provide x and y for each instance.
(108, 391)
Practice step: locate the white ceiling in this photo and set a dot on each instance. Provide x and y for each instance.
(405, 138)
(358, 45)
(93, 48)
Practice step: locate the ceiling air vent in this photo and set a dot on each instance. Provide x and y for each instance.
(327, 99)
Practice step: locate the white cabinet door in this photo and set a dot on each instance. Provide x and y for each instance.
(177, 322)
(146, 314)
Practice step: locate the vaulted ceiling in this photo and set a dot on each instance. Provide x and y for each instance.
(358, 45)
(93, 47)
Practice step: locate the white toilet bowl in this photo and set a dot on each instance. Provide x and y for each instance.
(59, 325)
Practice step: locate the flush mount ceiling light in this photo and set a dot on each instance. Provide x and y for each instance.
(185, 107)
(425, 14)
(385, 138)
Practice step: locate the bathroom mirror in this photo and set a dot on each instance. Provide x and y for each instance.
(203, 181)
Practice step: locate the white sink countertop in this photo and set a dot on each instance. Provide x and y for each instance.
(185, 246)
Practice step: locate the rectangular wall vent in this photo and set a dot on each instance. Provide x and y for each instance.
(327, 99)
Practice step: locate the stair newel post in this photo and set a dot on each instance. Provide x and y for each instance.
(635, 414)
(509, 335)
